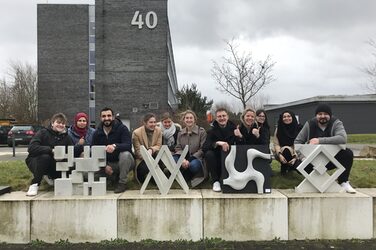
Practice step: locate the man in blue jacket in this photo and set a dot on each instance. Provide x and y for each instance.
(113, 134)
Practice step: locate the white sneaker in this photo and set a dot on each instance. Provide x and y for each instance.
(48, 180)
(348, 188)
(217, 187)
(33, 190)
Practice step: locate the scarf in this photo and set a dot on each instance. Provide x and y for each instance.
(168, 135)
(80, 131)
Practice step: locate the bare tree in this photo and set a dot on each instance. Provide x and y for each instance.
(24, 92)
(370, 70)
(240, 75)
(258, 101)
(5, 99)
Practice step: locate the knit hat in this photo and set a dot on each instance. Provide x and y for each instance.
(322, 107)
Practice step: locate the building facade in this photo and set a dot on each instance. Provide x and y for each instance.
(356, 112)
(115, 54)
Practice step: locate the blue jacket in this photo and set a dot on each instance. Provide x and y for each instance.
(78, 149)
(118, 135)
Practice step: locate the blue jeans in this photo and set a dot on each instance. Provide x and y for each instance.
(194, 166)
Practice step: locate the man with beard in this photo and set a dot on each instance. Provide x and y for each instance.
(327, 129)
(116, 137)
(219, 138)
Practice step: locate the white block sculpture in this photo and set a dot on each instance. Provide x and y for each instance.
(238, 180)
(163, 183)
(319, 156)
(74, 184)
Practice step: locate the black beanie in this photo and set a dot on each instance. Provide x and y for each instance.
(322, 107)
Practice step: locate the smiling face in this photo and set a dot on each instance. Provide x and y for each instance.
(249, 118)
(189, 120)
(221, 117)
(167, 123)
(58, 126)
(323, 118)
(287, 118)
(82, 123)
(151, 123)
(107, 118)
(261, 118)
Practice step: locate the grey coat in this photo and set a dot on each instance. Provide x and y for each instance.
(195, 140)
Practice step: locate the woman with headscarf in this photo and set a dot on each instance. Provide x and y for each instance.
(287, 130)
(80, 132)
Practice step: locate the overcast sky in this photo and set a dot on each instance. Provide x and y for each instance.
(319, 46)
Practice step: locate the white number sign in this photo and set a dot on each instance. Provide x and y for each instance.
(151, 20)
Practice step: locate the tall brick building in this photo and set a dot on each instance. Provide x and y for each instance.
(117, 53)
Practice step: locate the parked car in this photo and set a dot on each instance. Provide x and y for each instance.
(22, 134)
(4, 133)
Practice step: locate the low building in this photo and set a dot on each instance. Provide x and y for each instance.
(356, 111)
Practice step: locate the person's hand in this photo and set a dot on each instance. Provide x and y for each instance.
(314, 141)
(110, 148)
(108, 170)
(81, 141)
(224, 145)
(185, 164)
(282, 159)
(150, 151)
(237, 132)
(256, 132)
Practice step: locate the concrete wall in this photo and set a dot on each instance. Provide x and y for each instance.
(201, 214)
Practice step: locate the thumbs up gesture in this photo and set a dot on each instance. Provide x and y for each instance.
(237, 132)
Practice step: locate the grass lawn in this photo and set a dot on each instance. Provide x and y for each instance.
(361, 138)
(363, 175)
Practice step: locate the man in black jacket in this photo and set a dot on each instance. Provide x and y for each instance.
(113, 134)
(219, 138)
(41, 160)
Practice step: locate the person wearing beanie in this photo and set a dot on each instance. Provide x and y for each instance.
(81, 133)
(324, 128)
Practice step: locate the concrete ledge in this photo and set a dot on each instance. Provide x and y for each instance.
(76, 218)
(15, 218)
(242, 217)
(153, 216)
(371, 192)
(329, 215)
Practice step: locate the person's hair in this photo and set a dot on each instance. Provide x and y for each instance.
(148, 116)
(220, 110)
(258, 112)
(188, 111)
(245, 112)
(106, 109)
(166, 116)
(59, 117)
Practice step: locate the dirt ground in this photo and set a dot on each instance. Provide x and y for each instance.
(205, 244)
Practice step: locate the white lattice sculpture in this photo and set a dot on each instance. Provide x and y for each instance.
(74, 184)
(319, 156)
(238, 180)
(163, 183)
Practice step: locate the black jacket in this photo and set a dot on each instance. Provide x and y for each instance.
(249, 138)
(118, 135)
(45, 140)
(216, 133)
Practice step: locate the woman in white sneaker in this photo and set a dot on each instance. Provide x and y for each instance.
(40, 160)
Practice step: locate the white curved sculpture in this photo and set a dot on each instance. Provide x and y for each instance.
(238, 180)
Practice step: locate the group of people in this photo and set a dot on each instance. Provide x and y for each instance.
(205, 147)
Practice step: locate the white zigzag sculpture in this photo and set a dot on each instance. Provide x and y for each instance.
(238, 180)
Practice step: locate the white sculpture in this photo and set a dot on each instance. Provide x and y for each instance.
(74, 184)
(238, 180)
(163, 183)
(319, 156)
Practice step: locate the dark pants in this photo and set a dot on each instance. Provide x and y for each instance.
(142, 171)
(345, 157)
(42, 165)
(213, 162)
